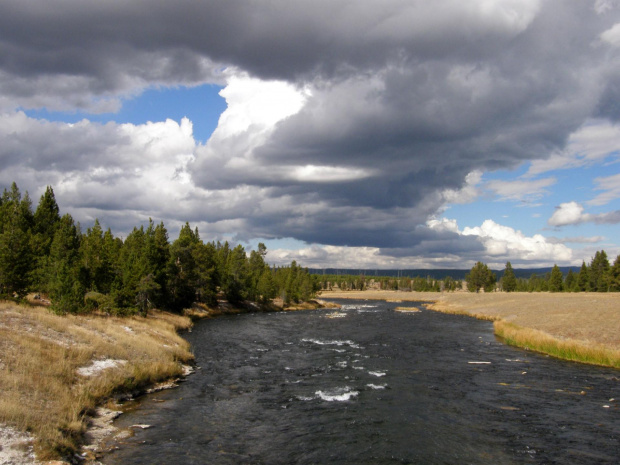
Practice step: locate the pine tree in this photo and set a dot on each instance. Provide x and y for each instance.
(614, 276)
(570, 283)
(16, 258)
(235, 283)
(91, 252)
(110, 251)
(182, 269)
(509, 280)
(65, 282)
(207, 274)
(599, 270)
(46, 220)
(131, 267)
(583, 278)
(266, 286)
(556, 279)
(157, 253)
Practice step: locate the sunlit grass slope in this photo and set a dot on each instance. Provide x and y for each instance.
(47, 388)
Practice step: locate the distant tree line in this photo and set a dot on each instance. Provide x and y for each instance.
(44, 252)
(598, 276)
(403, 283)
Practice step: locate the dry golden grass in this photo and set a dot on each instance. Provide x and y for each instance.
(407, 309)
(40, 354)
(566, 349)
(585, 319)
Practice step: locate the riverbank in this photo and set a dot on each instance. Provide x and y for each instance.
(55, 371)
(61, 376)
(585, 326)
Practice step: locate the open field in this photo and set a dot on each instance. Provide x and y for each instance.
(585, 319)
(55, 370)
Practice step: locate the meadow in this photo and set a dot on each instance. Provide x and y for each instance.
(583, 327)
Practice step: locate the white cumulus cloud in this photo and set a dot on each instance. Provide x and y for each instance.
(567, 213)
(504, 241)
(571, 213)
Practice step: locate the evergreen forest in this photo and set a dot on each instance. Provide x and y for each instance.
(48, 254)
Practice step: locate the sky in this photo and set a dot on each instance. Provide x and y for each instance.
(345, 134)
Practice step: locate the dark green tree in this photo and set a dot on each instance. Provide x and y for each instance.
(64, 273)
(131, 267)
(556, 280)
(207, 274)
(480, 277)
(599, 272)
(266, 286)
(256, 267)
(614, 276)
(157, 251)
(16, 257)
(235, 284)
(183, 273)
(509, 280)
(570, 282)
(583, 278)
(46, 220)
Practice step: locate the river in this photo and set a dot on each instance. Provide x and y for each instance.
(370, 385)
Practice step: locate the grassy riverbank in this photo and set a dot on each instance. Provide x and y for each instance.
(54, 370)
(582, 327)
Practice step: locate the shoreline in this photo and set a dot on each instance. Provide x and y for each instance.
(109, 360)
(62, 375)
(581, 327)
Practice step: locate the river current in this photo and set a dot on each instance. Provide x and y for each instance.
(370, 385)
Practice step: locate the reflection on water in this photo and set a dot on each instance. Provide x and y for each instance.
(373, 386)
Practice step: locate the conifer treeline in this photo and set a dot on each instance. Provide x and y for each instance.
(362, 282)
(44, 252)
(598, 276)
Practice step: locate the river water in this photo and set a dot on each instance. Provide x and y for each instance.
(370, 385)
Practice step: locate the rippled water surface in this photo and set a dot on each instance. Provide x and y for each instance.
(369, 385)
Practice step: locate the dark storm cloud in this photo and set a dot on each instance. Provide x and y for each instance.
(408, 97)
(115, 42)
(283, 39)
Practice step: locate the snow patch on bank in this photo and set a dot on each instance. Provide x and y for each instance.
(16, 447)
(98, 366)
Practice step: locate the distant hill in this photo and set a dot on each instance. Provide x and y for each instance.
(435, 274)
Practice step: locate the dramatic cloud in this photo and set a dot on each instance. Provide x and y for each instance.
(117, 172)
(594, 142)
(348, 124)
(496, 245)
